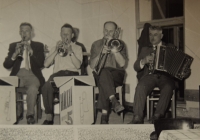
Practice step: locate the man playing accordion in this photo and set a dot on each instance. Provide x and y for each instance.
(149, 80)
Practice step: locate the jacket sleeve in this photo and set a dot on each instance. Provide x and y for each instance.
(38, 56)
(8, 62)
(142, 54)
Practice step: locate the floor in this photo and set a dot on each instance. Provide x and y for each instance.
(113, 119)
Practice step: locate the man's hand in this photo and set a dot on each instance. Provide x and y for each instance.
(18, 50)
(114, 50)
(148, 59)
(69, 48)
(105, 50)
(59, 44)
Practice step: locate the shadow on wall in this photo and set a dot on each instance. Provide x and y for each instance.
(85, 58)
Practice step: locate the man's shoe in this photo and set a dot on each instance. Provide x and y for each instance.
(104, 119)
(137, 120)
(46, 122)
(155, 117)
(30, 119)
(117, 106)
(20, 117)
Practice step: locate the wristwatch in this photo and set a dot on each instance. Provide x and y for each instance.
(71, 54)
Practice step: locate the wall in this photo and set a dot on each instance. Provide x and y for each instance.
(47, 16)
(94, 14)
(145, 10)
(192, 41)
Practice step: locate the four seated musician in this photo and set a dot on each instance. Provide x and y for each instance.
(67, 58)
(26, 58)
(149, 80)
(111, 74)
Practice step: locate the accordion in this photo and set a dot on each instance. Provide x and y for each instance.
(172, 61)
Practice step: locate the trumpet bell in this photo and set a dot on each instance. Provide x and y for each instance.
(62, 52)
(115, 43)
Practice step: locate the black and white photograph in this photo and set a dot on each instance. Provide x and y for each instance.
(99, 69)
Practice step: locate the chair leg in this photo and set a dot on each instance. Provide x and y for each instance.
(39, 108)
(151, 109)
(95, 110)
(147, 107)
(173, 105)
(36, 112)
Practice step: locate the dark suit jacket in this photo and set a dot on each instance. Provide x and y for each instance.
(144, 52)
(36, 60)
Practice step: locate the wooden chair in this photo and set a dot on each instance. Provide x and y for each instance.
(20, 91)
(118, 90)
(155, 97)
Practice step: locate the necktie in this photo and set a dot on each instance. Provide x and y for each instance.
(26, 59)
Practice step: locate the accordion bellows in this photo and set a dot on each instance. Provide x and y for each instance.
(173, 61)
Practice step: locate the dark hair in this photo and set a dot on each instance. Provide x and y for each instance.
(26, 24)
(153, 27)
(68, 26)
(115, 24)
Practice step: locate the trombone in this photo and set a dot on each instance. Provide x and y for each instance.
(113, 43)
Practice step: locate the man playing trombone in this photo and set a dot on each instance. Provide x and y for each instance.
(108, 58)
(67, 58)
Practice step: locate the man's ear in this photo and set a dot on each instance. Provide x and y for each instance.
(117, 32)
(32, 34)
(72, 35)
(20, 33)
(161, 36)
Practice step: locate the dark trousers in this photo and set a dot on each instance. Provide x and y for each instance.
(144, 88)
(48, 90)
(107, 81)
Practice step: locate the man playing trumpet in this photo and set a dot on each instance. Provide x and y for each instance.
(67, 58)
(26, 58)
(111, 74)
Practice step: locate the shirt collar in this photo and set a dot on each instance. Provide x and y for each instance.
(71, 43)
(29, 41)
(159, 44)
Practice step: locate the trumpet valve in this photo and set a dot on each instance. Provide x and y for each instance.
(62, 52)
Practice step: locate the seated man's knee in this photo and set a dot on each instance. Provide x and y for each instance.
(104, 75)
(33, 90)
(140, 87)
(169, 86)
(104, 72)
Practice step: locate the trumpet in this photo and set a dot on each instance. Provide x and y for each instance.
(21, 49)
(113, 43)
(62, 51)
